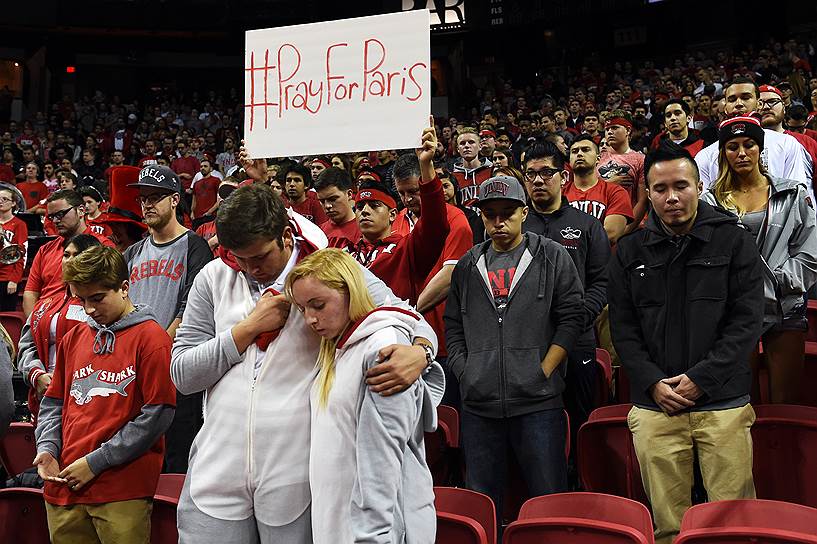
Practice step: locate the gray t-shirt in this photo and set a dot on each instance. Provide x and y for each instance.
(501, 266)
(161, 274)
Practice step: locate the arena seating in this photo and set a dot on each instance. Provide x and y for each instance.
(18, 448)
(170, 485)
(163, 520)
(469, 504)
(22, 516)
(13, 323)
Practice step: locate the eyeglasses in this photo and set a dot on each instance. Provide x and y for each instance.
(152, 200)
(4, 199)
(58, 216)
(770, 103)
(544, 173)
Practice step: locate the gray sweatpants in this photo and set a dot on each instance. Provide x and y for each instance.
(196, 527)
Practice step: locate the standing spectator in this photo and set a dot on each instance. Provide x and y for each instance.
(162, 269)
(487, 143)
(606, 201)
(66, 210)
(551, 215)
(621, 165)
(508, 374)
(226, 159)
(434, 291)
(297, 180)
(114, 372)
(685, 310)
(150, 154)
(185, 165)
(318, 165)
(772, 115)
(336, 196)
(590, 126)
(205, 198)
(34, 191)
(470, 169)
(117, 159)
(15, 233)
(676, 125)
(782, 155)
(89, 171)
(779, 214)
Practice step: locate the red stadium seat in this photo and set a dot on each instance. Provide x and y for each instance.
(604, 381)
(573, 518)
(622, 386)
(808, 395)
(13, 323)
(451, 418)
(454, 529)
(754, 520)
(18, 448)
(606, 457)
(811, 316)
(467, 503)
(438, 453)
(163, 520)
(170, 485)
(784, 445)
(22, 516)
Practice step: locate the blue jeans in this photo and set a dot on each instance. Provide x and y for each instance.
(537, 441)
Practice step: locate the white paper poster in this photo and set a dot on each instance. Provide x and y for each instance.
(340, 86)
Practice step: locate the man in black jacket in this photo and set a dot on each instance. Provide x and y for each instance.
(686, 309)
(513, 313)
(585, 240)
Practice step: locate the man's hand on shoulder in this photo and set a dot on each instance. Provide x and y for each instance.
(400, 367)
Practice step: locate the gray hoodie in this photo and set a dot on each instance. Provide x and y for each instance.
(135, 437)
(788, 245)
(6, 390)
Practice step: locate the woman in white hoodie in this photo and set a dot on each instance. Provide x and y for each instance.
(367, 470)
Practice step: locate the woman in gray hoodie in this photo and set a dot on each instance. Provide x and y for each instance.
(780, 214)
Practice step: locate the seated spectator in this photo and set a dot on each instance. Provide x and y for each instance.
(511, 377)
(15, 233)
(115, 372)
(95, 217)
(34, 191)
(780, 216)
(685, 295)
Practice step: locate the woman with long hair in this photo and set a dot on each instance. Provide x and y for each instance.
(15, 233)
(49, 322)
(780, 214)
(367, 469)
(454, 198)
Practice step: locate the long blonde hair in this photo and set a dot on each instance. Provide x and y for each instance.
(724, 186)
(339, 271)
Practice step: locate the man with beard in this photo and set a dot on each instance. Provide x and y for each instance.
(676, 124)
(772, 111)
(487, 143)
(297, 181)
(162, 268)
(782, 155)
(551, 215)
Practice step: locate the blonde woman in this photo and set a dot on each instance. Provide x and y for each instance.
(780, 214)
(367, 470)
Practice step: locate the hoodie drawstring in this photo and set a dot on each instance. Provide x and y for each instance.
(104, 341)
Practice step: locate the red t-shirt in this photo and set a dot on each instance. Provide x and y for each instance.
(45, 276)
(33, 193)
(311, 209)
(459, 240)
(206, 191)
(147, 160)
(186, 165)
(100, 395)
(625, 169)
(207, 231)
(602, 199)
(15, 231)
(6, 173)
(100, 225)
(349, 230)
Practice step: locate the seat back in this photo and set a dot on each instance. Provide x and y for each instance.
(743, 535)
(569, 530)
(622, 385)
(13, 323)
(18, 448)
(170, 485)
(614, 410)
(591, 506)
(756, 513)
(785, 467)
(454, 529)
(437, 453)
(604, 378)
(606, 457)
(467, 503)
(163, 520)
(22, 516)
(451, 418)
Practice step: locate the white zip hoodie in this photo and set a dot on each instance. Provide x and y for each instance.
(251, 456)
(367, 468)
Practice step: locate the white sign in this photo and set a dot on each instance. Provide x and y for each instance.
(341, 86)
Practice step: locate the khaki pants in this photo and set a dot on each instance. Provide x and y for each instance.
(121, 522)
(665, 447)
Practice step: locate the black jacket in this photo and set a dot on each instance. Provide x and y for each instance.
(585, 240)
(497, 358)
(687, 304)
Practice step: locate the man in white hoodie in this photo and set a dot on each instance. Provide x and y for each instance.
(249, 465)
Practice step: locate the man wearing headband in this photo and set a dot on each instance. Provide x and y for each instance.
(318, 165)
(782, 155)
(621, 165)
